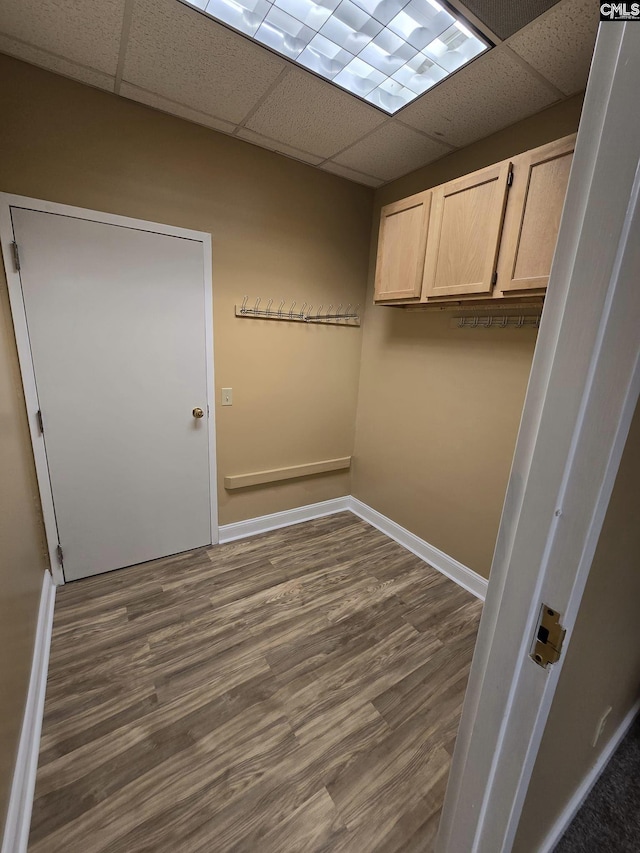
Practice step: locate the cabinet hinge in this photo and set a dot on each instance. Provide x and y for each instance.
(510, 177)
(494, 277)
(549, 637)
(16, 256)
(60, 555)
(40, 423)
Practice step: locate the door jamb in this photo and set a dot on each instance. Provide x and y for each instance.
(555, 507)
(18, 313)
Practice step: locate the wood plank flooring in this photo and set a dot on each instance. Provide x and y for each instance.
(296, 691)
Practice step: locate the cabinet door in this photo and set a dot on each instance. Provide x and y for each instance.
(401, 246)
(533, 215)
(464, 233)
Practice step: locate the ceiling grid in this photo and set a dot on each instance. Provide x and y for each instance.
(127, 14)
(173, 58)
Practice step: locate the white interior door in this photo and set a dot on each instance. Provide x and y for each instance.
(116, 324)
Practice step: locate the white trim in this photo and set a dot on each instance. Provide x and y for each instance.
(455, 571)
(16, 830)
(43, 206)
(29, 386)
(211, 390)
(9, 200)
(276, 520)
(584, 789)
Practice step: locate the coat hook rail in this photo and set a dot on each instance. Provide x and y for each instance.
(305, 314)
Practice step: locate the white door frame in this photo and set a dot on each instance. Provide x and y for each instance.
(582, 394)
(7, 201)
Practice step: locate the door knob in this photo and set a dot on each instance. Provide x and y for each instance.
(197, 412)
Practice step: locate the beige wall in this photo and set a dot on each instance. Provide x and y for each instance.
(280, 229)
(602, 667)
(439, 408)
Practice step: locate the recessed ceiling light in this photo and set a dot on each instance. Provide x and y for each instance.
(387, 52)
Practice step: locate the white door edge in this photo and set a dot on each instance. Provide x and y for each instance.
(211, 392)
(508, 696)
(10, 200)
(628, 403)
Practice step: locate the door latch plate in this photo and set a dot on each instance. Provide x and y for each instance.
(549, 637)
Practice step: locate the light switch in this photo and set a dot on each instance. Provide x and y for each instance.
(227, 397)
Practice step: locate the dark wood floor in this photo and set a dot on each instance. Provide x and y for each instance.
(296, 691)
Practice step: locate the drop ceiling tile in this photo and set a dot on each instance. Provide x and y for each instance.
(391, 151)
(312, 115)
(560, 44)
(351, 175)
(152, 100)
(182, 55)
(82, 31)
(272, 145)
(490, 93)
(56, 63)
(505, 18)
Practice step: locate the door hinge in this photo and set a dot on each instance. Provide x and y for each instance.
(40, 423)
(60, 555)
(494, 278)
(510, 177)
(549, 637)
(16, 255)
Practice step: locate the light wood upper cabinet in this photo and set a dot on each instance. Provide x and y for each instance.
(533, 216)
(486, 237)
(401, 248)
(464, 233)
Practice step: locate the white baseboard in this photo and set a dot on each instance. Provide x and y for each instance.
(264, 523)
(464, 577)
(16, 830)
(584, 789)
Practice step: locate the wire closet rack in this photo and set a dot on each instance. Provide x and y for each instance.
(497, 322)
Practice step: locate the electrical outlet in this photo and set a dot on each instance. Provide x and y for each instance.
(227, 397)
(600, 727)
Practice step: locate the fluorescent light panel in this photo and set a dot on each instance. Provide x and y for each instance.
(387, 52)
